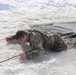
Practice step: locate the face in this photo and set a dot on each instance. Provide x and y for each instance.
(22, 39)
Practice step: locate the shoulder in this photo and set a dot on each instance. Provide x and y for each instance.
(33, 35)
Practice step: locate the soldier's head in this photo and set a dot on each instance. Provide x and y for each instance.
(21, 36)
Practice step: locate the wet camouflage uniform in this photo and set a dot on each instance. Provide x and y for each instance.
(40, 40)
(70, 39)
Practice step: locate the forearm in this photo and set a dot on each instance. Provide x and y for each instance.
(34, 54)
(12, 37)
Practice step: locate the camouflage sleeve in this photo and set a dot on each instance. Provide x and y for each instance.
(12, 37)
(37, 48)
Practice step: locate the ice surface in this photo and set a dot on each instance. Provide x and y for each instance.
(26, 14)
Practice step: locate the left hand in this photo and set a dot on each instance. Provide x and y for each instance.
(8, 39)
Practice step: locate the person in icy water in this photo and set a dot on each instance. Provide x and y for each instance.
(38, 40)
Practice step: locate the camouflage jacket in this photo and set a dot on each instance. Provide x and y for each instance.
(40, 40)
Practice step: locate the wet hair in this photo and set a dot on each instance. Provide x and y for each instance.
(20, 34)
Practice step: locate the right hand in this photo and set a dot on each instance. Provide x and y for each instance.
(8, 39)
(23, 56)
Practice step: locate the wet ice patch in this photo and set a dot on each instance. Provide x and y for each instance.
(5, 6)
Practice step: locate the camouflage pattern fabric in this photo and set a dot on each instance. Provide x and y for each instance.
(39, 40)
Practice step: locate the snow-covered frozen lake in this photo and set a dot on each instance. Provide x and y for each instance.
(25, 14)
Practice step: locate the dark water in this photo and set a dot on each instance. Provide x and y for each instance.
(56, 27)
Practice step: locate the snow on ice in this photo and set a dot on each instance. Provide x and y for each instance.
(24, 14)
